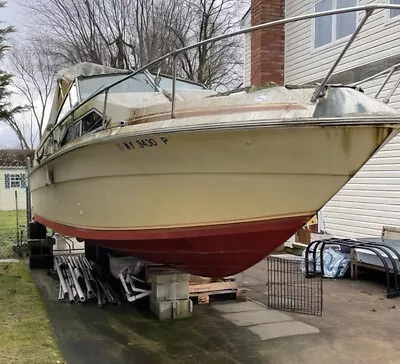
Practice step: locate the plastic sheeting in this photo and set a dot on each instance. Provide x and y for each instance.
(125, 265)
(335, 263)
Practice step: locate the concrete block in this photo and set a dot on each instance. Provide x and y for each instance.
(170, 291)
(171, 310)
(168, 277)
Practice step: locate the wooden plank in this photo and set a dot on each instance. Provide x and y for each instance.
(199, 279)
(390, 232)
(213, 293)
(214, 286)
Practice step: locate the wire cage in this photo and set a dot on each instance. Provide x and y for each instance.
(289, 289)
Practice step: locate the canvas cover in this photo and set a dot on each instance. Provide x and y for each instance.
(66, 76)
(86, 69)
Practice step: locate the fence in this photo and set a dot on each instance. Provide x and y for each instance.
(279, 282)
(288, 289)
(14, 213)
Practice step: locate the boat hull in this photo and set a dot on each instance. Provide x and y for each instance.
(188, 199)
(212, 251)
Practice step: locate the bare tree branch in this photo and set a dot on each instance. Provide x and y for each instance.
(34, 72)
(131, 33)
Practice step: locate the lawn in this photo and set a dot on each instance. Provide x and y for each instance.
(25, 331)
(8, 230)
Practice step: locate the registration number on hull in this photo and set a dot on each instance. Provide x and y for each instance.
(142, 143)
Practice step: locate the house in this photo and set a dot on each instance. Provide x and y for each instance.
(303, 52)
(13, 178)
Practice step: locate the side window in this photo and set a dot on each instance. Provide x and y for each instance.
(72, 132)
(323, 25)
(70, 101)
(346, 23)
(73, 96)
(13, 180)
(65, 108)
(328, 29)
(394, 12)
(23, 180)
(88, 123)
(91, 122)
(7, 181)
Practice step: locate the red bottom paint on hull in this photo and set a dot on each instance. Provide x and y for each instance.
(212, 251)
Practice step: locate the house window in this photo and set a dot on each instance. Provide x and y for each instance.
(394, 12)
(15, 180)
(328, 29)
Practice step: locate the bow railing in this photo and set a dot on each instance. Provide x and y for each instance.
(390, 72)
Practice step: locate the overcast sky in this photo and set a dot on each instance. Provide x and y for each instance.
(11, 14)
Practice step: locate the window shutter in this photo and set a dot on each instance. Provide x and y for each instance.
(7, 180)
(23, 180)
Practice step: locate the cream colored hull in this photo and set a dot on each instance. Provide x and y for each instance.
(199, 178)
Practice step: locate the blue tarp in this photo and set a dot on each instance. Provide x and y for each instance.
(335, 263)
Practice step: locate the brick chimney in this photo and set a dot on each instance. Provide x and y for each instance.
(267, 45)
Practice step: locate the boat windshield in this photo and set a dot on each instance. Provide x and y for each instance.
(70, 101)
(166, 84)
(138, 83)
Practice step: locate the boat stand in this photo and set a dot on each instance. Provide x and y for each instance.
(40, 247)
(383, 251)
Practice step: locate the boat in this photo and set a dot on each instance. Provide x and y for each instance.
(209, 183)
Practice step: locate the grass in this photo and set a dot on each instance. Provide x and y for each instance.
(25, 331)
(8, 230)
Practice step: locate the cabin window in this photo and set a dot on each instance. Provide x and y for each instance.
(90, 122)
(73, 96)
(13, 180)
(137, 83)
(166, 84)
(65, 108)
(329, 29)
(70, 101)
(73, 131)
(394, 12)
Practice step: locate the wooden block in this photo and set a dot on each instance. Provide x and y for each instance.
(241, 294)
(203, 299)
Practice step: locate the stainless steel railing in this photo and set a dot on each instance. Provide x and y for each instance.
(390, 72)
(367, 9)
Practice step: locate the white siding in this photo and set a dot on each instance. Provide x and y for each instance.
(246, 23)
(372, 197)
(379, 39)
(7, 195)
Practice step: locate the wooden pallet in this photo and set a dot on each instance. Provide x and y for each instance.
(203, 290)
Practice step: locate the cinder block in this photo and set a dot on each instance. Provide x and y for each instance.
(162, 278)
(171, 310)
(170, 291)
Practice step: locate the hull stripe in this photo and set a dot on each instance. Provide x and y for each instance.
(170, 233)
